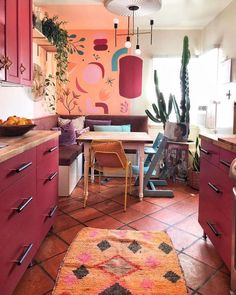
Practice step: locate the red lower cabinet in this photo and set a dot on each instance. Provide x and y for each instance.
(28, 204)
(216, 198)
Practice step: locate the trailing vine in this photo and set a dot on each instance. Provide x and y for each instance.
(65, 44)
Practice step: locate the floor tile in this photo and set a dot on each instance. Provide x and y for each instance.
(164, 202)
(34, 282)
(204, 251)
(104, 222)
(86, 214)
(50, 247)
(225, 269)
(191, 225)
(145, 207)
(52, 265)
(148, 223)
(96, 198)
(168, 216)
(69, 234)
(219, 284)
(108, 206)
(68, 206)
(180, 239)
(130, 199)
(128, 216)
(62, 222)
(195, 272)
(186, 207)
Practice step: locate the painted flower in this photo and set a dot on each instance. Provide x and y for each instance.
(84, 258)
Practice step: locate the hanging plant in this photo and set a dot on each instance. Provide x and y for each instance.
(64, 43)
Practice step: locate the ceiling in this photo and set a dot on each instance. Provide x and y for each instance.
(174, 14)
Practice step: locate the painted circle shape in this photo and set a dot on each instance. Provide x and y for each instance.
(92, 74)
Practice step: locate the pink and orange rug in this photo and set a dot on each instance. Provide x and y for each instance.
(120, 262)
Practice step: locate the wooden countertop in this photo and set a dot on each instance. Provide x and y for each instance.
(19, 144)
(227, 142)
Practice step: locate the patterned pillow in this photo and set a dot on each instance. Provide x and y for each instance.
(78, 123)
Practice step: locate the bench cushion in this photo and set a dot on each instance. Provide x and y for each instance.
(67, 154)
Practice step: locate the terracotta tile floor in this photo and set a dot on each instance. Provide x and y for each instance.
(204, 271)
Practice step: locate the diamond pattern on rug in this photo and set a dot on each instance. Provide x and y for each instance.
(134, 247)
(104, 245)
(116, 289)
(81, 272)
(172, 276)
(165, 248)
(118, 266)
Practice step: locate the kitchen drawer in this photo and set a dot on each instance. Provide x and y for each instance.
(18, 207)
(47, 183)
(216, 190)
(19, 241)
(210, 152)
(17, 167)
(46, 219)
(226, 157)
(217, 230)
(48, 150)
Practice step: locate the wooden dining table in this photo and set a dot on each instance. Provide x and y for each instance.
(130, 140)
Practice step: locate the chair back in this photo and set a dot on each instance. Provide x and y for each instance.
(155, 147)
(108, 154)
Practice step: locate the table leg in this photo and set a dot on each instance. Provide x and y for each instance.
(141, 170)
(86, 171)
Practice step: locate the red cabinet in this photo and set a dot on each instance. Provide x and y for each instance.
(16, 57)
(2, 39)
(216, 198)
(28, 204)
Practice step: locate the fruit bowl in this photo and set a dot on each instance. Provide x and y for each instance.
(15, 130)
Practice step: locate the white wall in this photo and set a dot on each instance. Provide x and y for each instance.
(221, 32)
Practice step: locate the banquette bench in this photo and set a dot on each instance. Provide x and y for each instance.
(71, 156)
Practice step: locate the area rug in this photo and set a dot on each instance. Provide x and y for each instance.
(120, 262)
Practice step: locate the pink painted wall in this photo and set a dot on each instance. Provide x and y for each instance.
(94, 76)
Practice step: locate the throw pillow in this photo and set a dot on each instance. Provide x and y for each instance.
(78, 123)
(90, 123)
(68, 136)
(113, 128)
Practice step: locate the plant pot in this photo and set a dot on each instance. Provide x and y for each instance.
(193, 179)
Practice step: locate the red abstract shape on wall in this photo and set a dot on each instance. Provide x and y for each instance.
(130, 76)
(100, 44)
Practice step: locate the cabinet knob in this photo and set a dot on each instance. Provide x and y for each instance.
(22, 68)
(8, 63)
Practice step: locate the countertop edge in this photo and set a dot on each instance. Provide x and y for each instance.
(18, 145)
(213, 138)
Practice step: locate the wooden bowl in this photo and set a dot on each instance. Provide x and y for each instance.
(15, 130)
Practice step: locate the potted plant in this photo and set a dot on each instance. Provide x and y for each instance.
(161, 113)
(194, 170)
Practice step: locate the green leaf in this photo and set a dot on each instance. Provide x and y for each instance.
(80, 52)
(72, 36)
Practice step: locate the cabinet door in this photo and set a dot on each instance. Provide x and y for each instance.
(25, 38)
(2, 39)
(12, 41)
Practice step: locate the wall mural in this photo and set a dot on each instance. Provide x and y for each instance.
(94, 78)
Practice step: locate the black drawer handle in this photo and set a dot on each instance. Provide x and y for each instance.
(214, 188)
(52, 149)
(215, 231)
(24, 204)
(23, 167)
(204, 151)
(25, 253)
(53, 175)
(226, 163)
(52, 212)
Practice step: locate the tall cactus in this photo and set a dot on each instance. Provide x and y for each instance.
(184, 82)
(161, 114)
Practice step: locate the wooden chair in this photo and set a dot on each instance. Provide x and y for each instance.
(110, 154)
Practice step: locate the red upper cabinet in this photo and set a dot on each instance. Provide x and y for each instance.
(2, 40)
(18, 41)
(25, 38)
